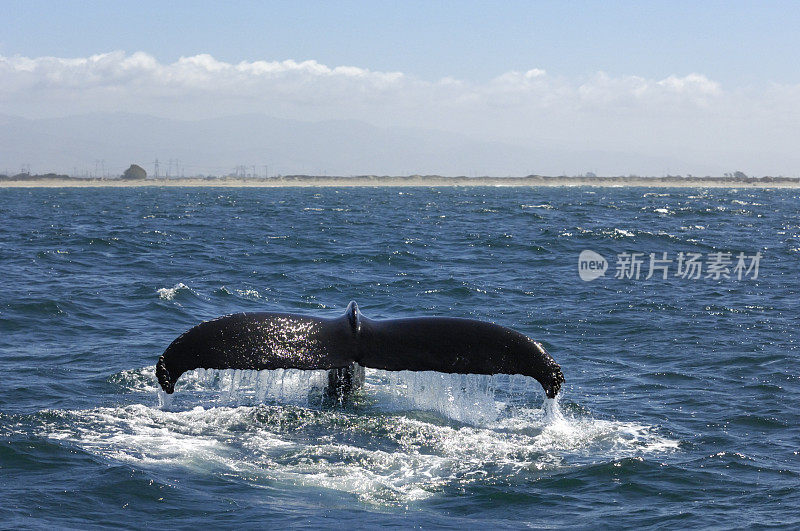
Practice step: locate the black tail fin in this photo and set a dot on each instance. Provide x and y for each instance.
(284, 341)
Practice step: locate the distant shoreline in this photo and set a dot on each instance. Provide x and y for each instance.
(413, 181)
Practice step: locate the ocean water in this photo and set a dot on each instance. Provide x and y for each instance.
(680, 406)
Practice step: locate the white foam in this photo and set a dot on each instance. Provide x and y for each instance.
(411, 435)
(168, 294)
(387, 458)
(248, 293)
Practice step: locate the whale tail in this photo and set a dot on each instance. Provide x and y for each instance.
(347, 344)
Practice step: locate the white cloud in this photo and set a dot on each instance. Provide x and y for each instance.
(688, 117)
(123, 76)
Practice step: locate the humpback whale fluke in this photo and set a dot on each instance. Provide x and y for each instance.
(265, 340)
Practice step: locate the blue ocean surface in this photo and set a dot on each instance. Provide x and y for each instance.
(680, 407)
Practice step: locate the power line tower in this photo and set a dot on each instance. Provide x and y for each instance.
(155, 168)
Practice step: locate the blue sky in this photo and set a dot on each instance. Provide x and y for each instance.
(689, 87)
(735, 43)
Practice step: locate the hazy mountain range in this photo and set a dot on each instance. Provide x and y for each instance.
(85, 144)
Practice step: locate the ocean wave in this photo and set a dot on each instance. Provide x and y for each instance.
(169, 294)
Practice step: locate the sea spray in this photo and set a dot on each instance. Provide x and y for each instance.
(471, 399)
(552, 412)
(164, 400)
(512, 404)
(248, 387)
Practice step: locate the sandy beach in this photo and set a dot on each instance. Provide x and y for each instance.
(415, 181)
